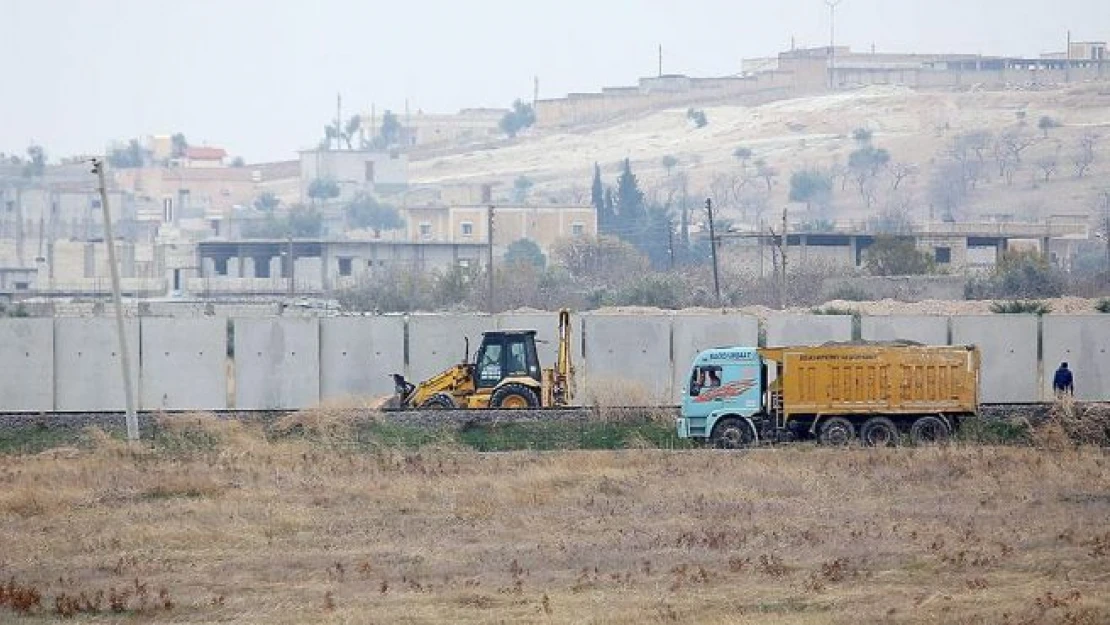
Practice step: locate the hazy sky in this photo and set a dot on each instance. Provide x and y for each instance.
(259, 77)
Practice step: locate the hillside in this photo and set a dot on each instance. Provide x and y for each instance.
(917, 128)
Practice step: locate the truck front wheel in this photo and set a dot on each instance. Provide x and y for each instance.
(733, 434)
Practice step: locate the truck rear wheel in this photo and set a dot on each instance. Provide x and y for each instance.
(879, 432)
(929, 430)
(733, 434)
(837, 431)
(514, 397)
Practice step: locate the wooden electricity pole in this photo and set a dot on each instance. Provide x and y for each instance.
(489, 267)
(125, 358)
(713, 250)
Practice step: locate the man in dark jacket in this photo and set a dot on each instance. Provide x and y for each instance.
(1062, 381)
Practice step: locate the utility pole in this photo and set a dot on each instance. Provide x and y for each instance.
(489, 266)
(292, 264)
(1067, 62)
(535, 90)
(125, 358)
(832, 4)
(338, 121)
(660, 60)
(713, 250)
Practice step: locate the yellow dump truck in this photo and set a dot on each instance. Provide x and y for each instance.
(879, 393)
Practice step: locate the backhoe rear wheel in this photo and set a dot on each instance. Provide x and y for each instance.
(514, 397)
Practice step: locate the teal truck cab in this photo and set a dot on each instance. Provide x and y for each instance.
(726, 387)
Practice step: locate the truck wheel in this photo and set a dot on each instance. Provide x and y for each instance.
(441, 401)
(929, 430)
(879, 432)
(733, 434)
(837, 431)
(514, 397)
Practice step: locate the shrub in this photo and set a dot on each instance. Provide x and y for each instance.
(850, 293)
(1019, 275)
(698, 117)
(897, 256)
(1103, 305)
(1018, 307)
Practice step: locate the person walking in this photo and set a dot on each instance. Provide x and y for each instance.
(1063, 382)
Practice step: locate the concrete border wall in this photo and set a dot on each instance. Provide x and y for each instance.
(184, 363)
(924, 329)
(794, 330)
(1083, 342)
(87, 365)
(628, 349)
(277, 363)
(436, 342)
(27, 365)
(357, 355)
(1008, 345)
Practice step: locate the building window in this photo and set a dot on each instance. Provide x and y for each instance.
(464, 263)
(943, 255)
(578, 229)
(344, 267)
(425, 230)
(22, 286)
(467, 229)
(369, 171)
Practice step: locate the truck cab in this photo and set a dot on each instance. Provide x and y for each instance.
(724, 385)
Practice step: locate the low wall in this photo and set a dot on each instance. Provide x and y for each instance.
(284, 363)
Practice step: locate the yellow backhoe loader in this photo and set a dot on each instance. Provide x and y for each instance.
(506, 373)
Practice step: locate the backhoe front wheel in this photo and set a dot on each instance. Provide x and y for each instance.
(514, 397)
(440, 401)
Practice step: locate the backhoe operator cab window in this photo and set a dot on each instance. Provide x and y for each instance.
(704, 377)
(507, 356)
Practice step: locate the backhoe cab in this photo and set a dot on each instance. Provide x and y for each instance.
(505, 374)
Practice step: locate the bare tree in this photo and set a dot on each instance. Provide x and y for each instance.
(899, 171)
(721, 189)
(1048, 165)
(964, 151)
(1085, 156)
(948, 189)
(1016, 141)
(766, 172)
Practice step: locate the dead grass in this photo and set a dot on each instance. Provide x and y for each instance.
(251, 531)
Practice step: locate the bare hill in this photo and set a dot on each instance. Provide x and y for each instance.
(918, 129)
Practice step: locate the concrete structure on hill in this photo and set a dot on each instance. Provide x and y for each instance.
(817, 70)
(422, 129)
(955, 246)
(354, 170)
(260, 267)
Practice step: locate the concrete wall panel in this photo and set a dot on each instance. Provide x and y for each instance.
(26, 365)
(928, 330)
(436, 341)
(547, 333)
(357, 354)
(277, 363)
(690, 334)
(184, 364)
(87, 364)
(792, 330)
(1008, 344)
(1083, 342)
(632, 348)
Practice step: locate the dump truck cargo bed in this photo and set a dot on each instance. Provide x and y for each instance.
(876, 379)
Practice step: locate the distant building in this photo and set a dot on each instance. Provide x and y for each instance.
(422, 129)
(545, 224)
(354, 170)
(203, 156)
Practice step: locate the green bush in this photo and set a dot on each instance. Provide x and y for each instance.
(850, 293)
(1018, 307)
(1019, 275)
(1103, 305)
(897, 256)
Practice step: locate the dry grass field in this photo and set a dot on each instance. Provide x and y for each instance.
(217, 524)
